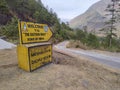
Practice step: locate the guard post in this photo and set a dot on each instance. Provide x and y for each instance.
(34, 49)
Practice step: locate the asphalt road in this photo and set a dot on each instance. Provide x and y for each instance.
(6, 45)
(112, 61)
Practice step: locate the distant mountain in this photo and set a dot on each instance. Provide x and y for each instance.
(93, 18)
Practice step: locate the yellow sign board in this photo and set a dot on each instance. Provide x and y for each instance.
(33, 32)
(39, 56)
(33, 57)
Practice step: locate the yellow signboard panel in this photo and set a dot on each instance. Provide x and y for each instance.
(39, 56)
(33, 57)
(33, 32)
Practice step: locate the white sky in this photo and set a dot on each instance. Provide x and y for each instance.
(68, 9)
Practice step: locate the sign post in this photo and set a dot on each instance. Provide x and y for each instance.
(32, 52)
(34, 32)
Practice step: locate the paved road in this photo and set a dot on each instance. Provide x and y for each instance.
(111, 61)
(6, 45)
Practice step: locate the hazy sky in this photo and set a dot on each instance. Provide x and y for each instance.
(68, 9)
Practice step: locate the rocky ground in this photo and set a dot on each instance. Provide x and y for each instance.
(65, 73)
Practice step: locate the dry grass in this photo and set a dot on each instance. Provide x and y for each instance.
(68, 74)
(76, 44)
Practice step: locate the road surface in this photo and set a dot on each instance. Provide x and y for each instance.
(6, 45)
(112, 61)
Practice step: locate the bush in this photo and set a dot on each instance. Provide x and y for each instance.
(82, 36)
(92, 41)
(11, 29)
(76, 44)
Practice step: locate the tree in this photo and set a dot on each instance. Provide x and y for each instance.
(3, 7)
(11, 29)
(110, 25)
(81, 35)
(92, 41)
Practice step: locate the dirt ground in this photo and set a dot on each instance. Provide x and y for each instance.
(68, 74)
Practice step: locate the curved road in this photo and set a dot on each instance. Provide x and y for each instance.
(111, 61)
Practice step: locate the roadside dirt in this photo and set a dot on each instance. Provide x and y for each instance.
(65, 73)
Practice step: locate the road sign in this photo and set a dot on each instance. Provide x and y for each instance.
(33, 32)
(31, 57)
(31, 52)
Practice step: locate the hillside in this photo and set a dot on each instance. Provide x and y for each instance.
(93, 18)
(31, 11)
(27, 10)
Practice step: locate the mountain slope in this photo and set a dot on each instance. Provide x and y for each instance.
(30, 11)
(27, 10)
(93, 18)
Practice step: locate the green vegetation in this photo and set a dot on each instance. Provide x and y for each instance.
(110, 41)
(86, 40)
(110, 28)
(10, 29)
(3, 7)
(30, 10)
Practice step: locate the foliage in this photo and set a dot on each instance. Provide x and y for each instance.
(87, 39)
(81, 35)
(76, 44)
(3, 7)
(110, 28)
(33, 11)
(92, 41)
(11, 29)
(110, 41)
